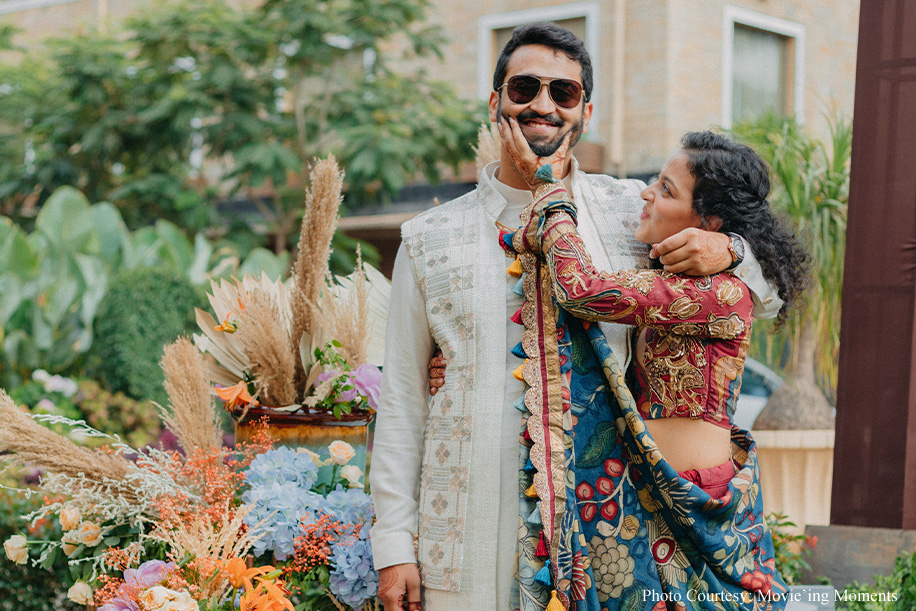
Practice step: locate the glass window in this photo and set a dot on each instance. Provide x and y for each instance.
(761, 74)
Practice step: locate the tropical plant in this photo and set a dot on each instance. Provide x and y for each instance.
(53, 278)
(811, 188)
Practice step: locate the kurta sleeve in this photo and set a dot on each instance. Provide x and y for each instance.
(401, 420)
(712, 306)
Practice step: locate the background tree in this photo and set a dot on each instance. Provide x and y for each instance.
(199, 102)
(811, 188)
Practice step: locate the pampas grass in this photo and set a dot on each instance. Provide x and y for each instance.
(33, 444)
(192, 418)
(322, 202)
(489, 145)
(269, 350)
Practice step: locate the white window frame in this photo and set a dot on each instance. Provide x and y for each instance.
(741, 16)
(590, 10)
(17, 6)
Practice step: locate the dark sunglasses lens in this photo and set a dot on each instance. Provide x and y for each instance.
(565, 93)
(523, 89)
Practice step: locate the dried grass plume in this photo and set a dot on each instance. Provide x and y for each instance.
(269, 350)
(322, 202)
(192, 418)
(33, 444)
(489, 145)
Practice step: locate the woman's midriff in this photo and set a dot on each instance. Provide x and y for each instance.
(690, 444)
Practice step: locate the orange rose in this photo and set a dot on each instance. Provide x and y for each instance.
(89, 534)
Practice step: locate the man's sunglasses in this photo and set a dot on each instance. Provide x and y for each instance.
(523, 88)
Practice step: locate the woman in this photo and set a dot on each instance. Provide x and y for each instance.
(696, 537)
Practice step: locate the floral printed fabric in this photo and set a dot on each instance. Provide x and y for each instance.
(631, 534)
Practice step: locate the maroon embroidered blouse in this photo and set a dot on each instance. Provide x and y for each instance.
(696, 329)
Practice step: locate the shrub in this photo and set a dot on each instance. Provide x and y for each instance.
(894, 592)
(144, 310)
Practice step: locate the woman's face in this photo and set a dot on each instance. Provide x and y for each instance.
(669, 202)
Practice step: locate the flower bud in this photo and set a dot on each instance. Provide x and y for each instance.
(15, 548)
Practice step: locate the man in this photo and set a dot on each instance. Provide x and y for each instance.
(446, 469)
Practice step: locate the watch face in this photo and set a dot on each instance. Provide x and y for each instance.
(738, 246)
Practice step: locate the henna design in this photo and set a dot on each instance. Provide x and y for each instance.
(387, 580)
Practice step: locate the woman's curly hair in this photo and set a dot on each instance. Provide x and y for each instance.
(732, 183)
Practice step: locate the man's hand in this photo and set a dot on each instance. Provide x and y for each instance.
(436, 372)
(399, 587)
(694, 252)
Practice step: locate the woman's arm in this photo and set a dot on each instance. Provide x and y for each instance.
(717, 306)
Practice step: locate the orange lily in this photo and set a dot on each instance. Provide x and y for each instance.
(236, 395)
(227, 326)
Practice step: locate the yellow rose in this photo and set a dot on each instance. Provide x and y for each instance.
(69, 518)
(81, 593)
(352, 473)
(89, 534)
(15, 548)
(341, 452)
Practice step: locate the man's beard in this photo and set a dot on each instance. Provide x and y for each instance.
(546, 148)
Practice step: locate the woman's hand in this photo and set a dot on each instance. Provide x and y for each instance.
(436, 372)
(524, 158)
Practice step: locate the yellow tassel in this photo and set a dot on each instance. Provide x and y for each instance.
(531, 493)
(517, 374)
(554, 604)
(516, 268)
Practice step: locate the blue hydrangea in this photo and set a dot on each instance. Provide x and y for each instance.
(277, 512)
(282, 465)
(351, 505)
(353, 579)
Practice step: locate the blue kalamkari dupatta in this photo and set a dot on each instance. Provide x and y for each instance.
(605, 522)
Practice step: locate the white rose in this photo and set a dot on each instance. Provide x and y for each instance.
(69, 518)
(81, 593)
(352, 473)
(341, 452)
(15, 548)
(181, 602)
(153, 599)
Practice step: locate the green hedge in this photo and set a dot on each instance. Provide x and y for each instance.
(144, 310)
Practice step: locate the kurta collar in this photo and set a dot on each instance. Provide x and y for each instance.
(493, 201)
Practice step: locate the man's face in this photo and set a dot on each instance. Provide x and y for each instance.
(543, 123)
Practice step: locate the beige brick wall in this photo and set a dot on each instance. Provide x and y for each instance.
(673, 64)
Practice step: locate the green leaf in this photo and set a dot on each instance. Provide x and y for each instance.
(599, 446)
(65, 217)
(109, 229)
(262, 260)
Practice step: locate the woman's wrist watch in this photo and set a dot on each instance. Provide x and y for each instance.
(736, 250)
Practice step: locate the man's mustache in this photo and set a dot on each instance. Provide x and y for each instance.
(528, 115)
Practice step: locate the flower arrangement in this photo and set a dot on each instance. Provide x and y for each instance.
(258, 527)
(311, 345)
(153, 530)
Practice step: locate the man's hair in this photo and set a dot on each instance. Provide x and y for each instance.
(550, 35)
